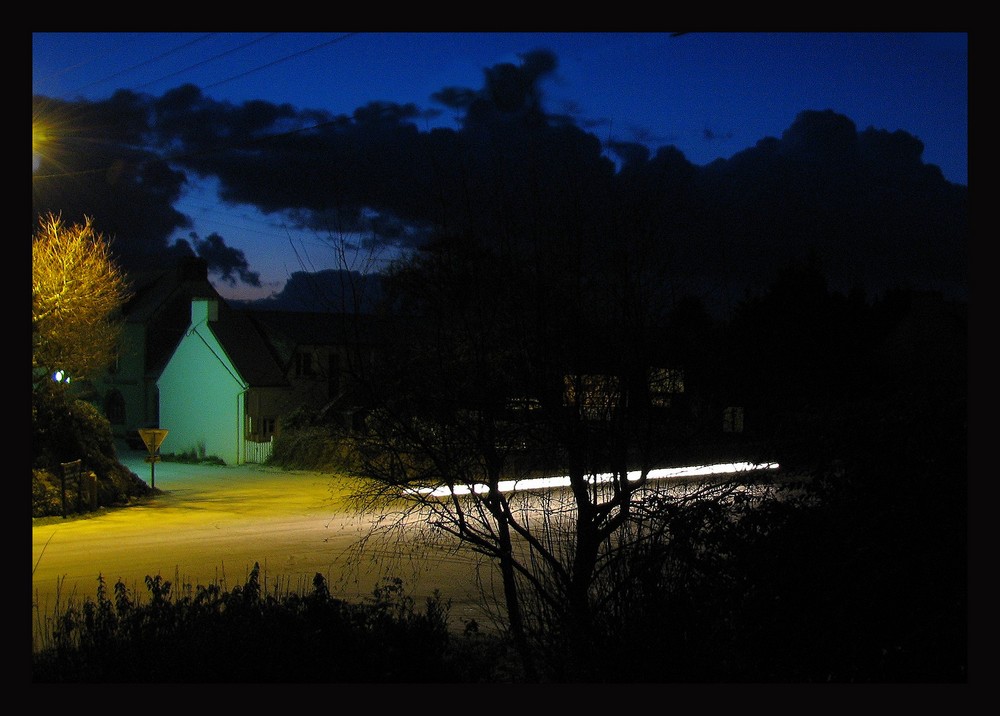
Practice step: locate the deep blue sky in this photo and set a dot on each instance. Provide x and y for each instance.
(709, 94)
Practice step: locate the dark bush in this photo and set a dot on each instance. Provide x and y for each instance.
(65, 430)
(307, 448)
(247, 635)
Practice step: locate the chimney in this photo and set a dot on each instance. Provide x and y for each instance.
(192, 268)
(204, 310)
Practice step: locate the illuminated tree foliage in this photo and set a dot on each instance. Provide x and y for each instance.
(76, 293)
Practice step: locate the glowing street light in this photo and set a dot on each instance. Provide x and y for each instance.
(38, 139)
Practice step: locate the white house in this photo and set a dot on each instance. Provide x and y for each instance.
(215, 382)
(235, 374)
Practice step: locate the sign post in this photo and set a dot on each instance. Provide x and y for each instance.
(153, 437)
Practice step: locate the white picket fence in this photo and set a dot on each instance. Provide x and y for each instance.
(259, 452)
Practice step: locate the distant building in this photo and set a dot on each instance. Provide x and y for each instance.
(234, 376)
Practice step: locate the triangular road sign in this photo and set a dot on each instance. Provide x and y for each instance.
(153, 437)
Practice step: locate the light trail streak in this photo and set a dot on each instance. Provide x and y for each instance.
(543, 483)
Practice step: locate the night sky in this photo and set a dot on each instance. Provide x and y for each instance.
(255, 150)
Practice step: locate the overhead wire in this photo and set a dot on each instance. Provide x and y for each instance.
(202, 38)
(231, 145)
(283, 59)
(150, 61)
(210, 59)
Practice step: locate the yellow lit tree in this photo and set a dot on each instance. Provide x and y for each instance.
(76, 293)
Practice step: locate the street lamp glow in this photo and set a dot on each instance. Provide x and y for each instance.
(38, 140)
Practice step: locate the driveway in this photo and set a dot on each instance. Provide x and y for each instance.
(212, 523)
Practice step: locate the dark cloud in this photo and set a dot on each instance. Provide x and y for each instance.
(711, 135)
(630, 153)
(95, 166)
(864, 202)
(229, 263)
(825, 140)
(327, 290)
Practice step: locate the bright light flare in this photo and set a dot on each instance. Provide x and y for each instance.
(39, 137)
(543, 483)
(52, 124)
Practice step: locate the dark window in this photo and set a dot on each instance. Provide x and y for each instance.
(303, 364)
(260, 428)
(732, 420)
(114, 408)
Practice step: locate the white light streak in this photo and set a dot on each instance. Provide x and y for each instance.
(542, 483)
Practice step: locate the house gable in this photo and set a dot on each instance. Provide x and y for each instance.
(202, 392)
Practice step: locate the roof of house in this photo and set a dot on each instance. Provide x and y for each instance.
(293, 328)
(161, 300)
(262, 344)
(287, 330)
(154, 292)
(247, 348)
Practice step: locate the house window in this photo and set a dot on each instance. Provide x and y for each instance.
(732, 420)
(663, 383)
(526, 405)
(303, 364)
(595, 396)
(260, 428)
(114, 408)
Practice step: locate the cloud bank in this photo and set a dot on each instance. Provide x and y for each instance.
(862, 201)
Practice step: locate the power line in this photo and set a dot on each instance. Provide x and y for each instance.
(210, 59)
(231, 145)
(147, 62)
(283, 59)
(214, 58)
